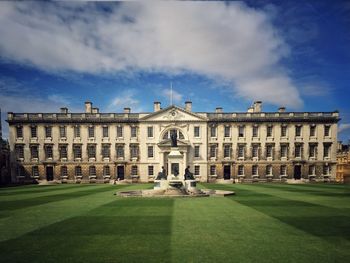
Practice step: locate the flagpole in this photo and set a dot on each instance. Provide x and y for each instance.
(171, 93)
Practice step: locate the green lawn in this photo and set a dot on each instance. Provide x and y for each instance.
(262, 223)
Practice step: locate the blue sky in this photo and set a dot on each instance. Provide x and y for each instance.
(285, 53)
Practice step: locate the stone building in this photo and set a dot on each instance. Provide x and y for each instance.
(343, 163)
(218, 146)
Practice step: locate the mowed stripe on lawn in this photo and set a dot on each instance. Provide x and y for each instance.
(122, 230)
(53, 209)
(222, 229)
(262, 223)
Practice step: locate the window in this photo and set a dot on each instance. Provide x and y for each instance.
(326, 150)
(35, 171)
(312, 150)
(133, 132)
(34, 151)
(240, 151)
(150, 170)
(92, 171)
(269, 170)
(196, 131)
(48, 151)
(327, 130)
(255, 131)
(48, 132)
(105, 131)
(196, 170)
(91, 151)
(78, 171)
(254, 170)
(106, 151)
(241, 131)
(33, 130)
(150, 151)
(77, 131)
(120, 151)
(227, 151)
(313, 130)
(134, 170)
(212, 131)
(312, 170)
(269, 131)
(91, 131)
(283, 170)
(63, 132)
(297, 152)
(19, 131)
(240, 170)
(134, 151)
(106, 171)
(119, 131)
(298, 130)
(227, 131)
(284, 131)
(196, 151)
(326, 170)
(21, 171)
(269, 151)
(284, 151)
(63, 151)
(255, 151)
(19, 151)
(212, 170)
(150, 132)
(166, 135)
(212, 152)
(64, 171)
(77, 151)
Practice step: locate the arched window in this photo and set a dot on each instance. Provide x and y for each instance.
(180, 135)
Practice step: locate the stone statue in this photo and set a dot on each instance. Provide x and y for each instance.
(176, 171)
(173, 137)
(188, 175)
(162, 174)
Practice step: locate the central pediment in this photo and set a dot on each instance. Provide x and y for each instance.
(173, 113)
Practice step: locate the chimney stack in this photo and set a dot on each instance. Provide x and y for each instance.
(188, 105)
(64, 110)
(218, 110)
(282, 109)
(156, 106)
(95, 110)
(127, 110)
(257, 106)
(88, 107)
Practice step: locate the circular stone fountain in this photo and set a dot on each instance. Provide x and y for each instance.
(174, 187)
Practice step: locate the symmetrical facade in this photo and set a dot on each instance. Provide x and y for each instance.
(100, 147)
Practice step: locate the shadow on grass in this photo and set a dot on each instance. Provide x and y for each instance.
(317, 220)
(315, 190)
(35, 189)
(23, 203)
(113, 237)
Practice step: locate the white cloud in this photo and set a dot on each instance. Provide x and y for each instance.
(125, 99)
(343, 127)
(216, 39)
